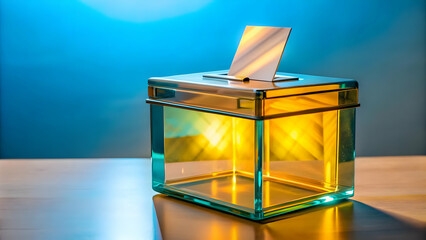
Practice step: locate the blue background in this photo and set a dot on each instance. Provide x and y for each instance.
(74, 73)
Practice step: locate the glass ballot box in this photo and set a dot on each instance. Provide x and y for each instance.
(255, 149)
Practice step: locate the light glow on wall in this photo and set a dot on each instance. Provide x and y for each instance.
(145, 11)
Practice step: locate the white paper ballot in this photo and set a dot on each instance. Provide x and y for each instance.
(259, 53)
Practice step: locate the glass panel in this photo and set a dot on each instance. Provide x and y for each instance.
(216, 102)
(248, 106)
(209, 155)
(312, 101)
(157, 145)
(301, 158)
(346, 146)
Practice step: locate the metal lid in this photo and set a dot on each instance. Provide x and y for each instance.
(296, 94)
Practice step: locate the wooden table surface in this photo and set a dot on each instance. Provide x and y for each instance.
(112, 199)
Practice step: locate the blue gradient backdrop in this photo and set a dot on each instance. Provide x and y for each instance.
(74, 73)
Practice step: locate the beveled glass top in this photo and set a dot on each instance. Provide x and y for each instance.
(304, 84)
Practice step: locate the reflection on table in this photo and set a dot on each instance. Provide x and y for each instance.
(177, 219)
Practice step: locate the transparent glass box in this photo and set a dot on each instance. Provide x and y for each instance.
(252, 148)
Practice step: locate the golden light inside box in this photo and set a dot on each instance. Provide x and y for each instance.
(259, 52)
(299, 150)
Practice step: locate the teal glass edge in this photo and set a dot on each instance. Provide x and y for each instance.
(157, 145)
(258, 171)
(257, 215)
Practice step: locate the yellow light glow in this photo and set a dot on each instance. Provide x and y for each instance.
(212, 134)
(330, 221)
(234, 145)
(298, 138)
(308, 138)
(214, 188)
(234, 189)
(267, 151)
(267, 191)
(294, 134)
(330, 148)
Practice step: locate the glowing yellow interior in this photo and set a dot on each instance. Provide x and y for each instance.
(298, 150)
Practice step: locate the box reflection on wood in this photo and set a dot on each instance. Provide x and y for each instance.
(253, 148)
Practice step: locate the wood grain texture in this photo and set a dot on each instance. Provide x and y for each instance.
(396, 185)
(112, 199)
